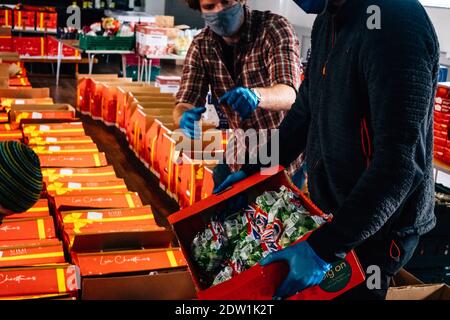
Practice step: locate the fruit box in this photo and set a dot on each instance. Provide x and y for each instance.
(257, 283)
(50, 279)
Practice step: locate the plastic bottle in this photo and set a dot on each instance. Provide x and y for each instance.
(210, 117)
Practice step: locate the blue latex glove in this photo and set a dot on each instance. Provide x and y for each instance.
(242, 100)
(230, 180)
(190, 122)
(306, 268)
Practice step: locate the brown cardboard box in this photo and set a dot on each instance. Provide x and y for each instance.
(165, 21)
(406, 286)
(176, 285)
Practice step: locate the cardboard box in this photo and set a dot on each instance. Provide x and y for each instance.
(79, 174)
(154, 41)
(39, 210)
(123, 95)
(22, 229)
(20, 82)
(158, 148)
(165, 21)
(59, 141)
(21, 255)
(25, 93)
(168, 84)
(67, 52)
(74, 161)
(6, 103)
(60, 278)
(419, 292)
(104, 201)
(208, 182)
(3, 117)
(258, 282)
(139, 286)
(105, 263)
(45, 131)
(19, 113)
(96, 98)
(24, 20)
(75, 188)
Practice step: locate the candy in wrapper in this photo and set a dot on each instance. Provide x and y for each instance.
(224, 275)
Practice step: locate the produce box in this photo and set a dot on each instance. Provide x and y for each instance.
(31, 254)
(39, 210)
(73, 161)
(51, 279)
(79, 174)
(107, 43)
(23, 229)
(248, 279)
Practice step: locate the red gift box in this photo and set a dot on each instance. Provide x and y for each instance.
(66, 149)
(258, 283)
(24, 20)
(6, 43)
(39, 210)
(24, 254)
(72, 129)
(104, 263)
(60, 141)
(441, 134)
(52, 49)
(101, 201)
(75, 160)
(15, 135)
(86, 188)
(6, 16)
(29, 46)
(79, 174)
(51, 279)
(22, 229)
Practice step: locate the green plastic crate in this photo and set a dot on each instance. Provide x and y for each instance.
(107, 43)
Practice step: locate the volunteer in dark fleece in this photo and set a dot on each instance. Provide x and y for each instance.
(364, 117)
(20, 178)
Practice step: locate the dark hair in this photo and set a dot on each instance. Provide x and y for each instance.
(195, 4)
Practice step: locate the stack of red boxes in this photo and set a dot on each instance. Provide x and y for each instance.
(24, 20)
(441, 123)
(6, 17)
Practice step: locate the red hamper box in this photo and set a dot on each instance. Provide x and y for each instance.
(258, 283)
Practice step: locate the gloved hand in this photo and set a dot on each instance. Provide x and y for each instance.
(190, 122)
(306, 268)
(242, 100)
(230, 180)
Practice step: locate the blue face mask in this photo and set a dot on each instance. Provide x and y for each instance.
(226, 22)
(312, 6)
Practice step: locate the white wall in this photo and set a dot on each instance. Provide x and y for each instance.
(156, 7)
(303, 22)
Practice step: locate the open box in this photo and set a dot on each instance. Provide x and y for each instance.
(257, 283)
(96, 97)
(150, 156)
(84, 88)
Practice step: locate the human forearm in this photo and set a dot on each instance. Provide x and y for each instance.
(279, 97)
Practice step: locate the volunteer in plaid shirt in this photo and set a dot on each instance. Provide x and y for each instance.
(251, 60)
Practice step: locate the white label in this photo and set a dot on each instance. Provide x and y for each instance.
(74, 185)
(51, 139)
(169, 89)
(36, 115)
(1, 254)
(443, 178)
(75, 123)
(66, 171)
(44, 128)
(437, 107)
(439, 100)
(95, 215)
(54, 148)
(155, 40)
(20, 101)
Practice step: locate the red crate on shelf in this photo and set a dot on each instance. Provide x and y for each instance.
(6, 16)
(46, 21)
(257, 283)
(24, 20)
(52, 49)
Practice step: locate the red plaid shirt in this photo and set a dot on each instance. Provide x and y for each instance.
(268, 53)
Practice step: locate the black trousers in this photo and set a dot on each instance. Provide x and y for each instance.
(390, 255)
